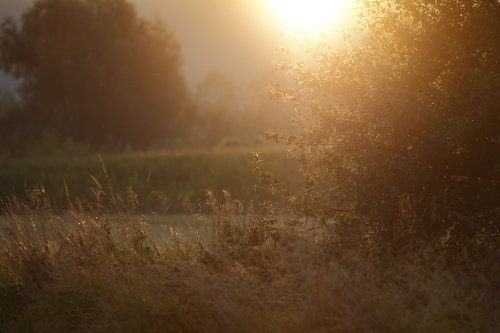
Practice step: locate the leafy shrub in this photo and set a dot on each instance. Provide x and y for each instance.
(399, 129)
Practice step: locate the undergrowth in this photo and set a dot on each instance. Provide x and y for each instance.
(97, 269)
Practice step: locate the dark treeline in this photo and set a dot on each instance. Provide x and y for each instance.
(94, 72)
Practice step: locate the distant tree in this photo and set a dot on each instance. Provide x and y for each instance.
(219, 90)
(94, 70)
(400, 129)
(230, 110)
(217, 97)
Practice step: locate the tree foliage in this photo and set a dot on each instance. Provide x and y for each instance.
(400, 129)
(94, 70)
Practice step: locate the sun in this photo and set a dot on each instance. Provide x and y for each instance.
(310, 16)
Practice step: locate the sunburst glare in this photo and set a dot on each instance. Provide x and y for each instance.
(310, 16)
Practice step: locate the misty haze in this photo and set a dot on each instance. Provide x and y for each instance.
(249, 166)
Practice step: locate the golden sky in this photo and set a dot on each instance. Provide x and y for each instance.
(236, 37)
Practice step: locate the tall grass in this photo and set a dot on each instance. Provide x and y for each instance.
(94, 269)
(163, 181)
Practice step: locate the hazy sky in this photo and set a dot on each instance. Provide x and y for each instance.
(237, 37)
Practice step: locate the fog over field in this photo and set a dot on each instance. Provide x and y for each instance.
(249, 166)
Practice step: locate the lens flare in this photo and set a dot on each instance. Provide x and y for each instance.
(310, 16)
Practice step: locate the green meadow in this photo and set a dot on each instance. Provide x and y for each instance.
(163, 181)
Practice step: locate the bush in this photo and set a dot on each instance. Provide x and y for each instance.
(399, 130)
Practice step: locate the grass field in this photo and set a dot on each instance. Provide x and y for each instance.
(90, 271)
(163, 181)
(102, 260)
